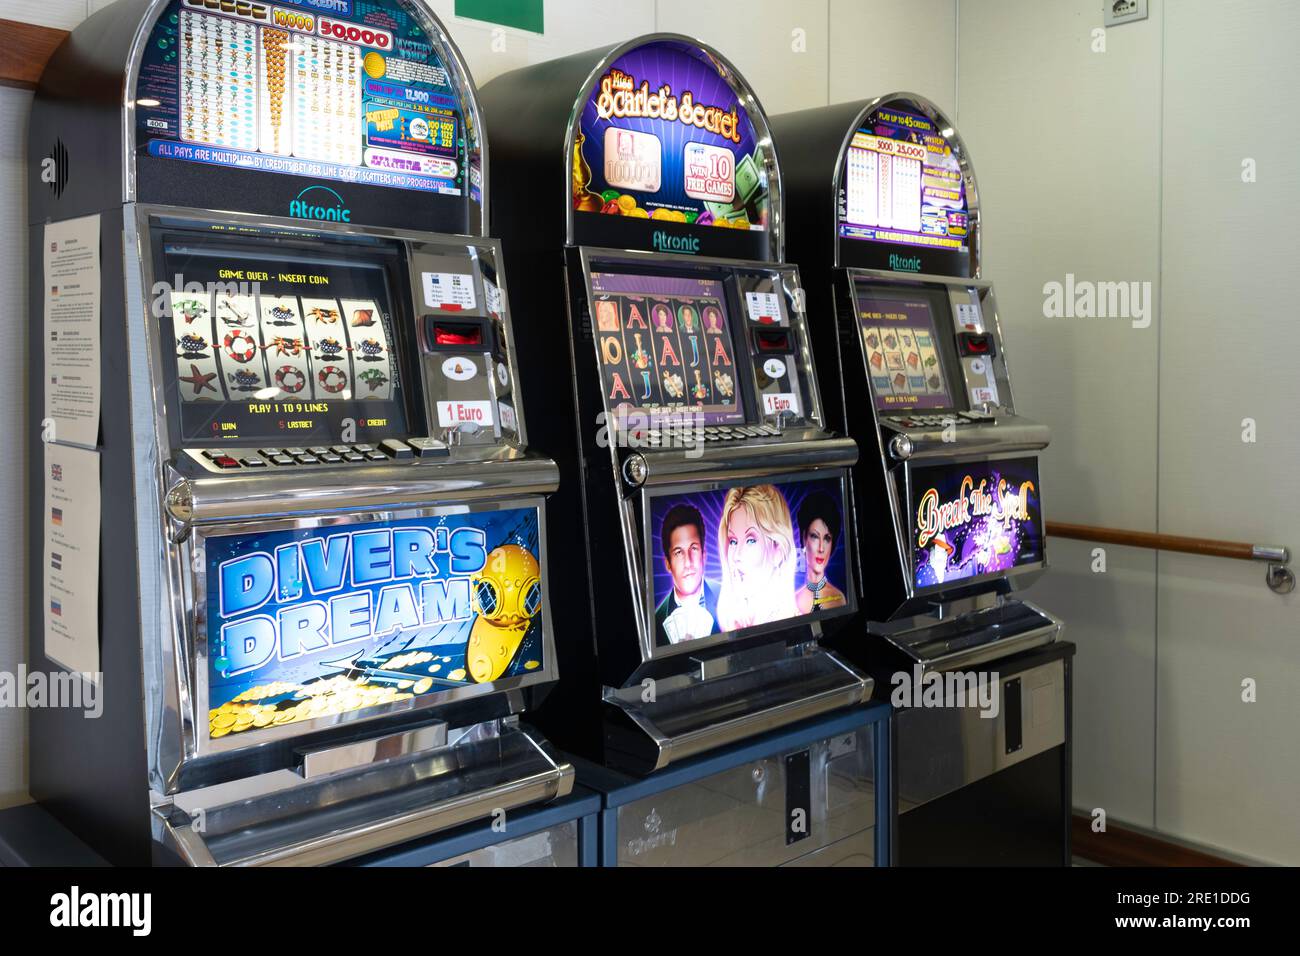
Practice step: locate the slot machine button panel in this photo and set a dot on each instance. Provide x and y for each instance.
(396, 449)
(428, 447)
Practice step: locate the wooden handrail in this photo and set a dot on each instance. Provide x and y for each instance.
(25, 51)
(1238, 550)
(1279, 578)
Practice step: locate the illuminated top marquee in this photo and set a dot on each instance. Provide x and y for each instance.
(663, 136)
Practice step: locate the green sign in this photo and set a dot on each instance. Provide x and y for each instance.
(521, 14)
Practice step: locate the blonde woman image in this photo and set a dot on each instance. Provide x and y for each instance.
(756, 546)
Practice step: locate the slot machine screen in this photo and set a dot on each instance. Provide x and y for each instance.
(901, 184)
(279, 345)
(975, 519)
(665, 348)
(905, 352)
(724, 560)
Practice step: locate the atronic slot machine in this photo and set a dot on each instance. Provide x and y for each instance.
(885, 224)
(702, 498)
(322, 571)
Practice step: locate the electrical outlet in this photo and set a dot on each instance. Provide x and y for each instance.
(1118, 12)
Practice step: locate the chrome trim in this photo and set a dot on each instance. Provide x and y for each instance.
(340, 816)
(164, 675)
(1276, 554)
(744, 96)
(326, 491)
(796, 449)
(352, 756)
(1002, 437)
(773, 701)
(907, 633)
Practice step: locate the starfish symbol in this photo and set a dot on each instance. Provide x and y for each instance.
(200, 380)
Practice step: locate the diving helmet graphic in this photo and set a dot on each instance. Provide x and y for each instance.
(507, 595)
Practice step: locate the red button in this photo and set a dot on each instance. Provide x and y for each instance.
(225, 461)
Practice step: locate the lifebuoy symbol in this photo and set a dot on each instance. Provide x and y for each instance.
(332, 378)
(290, 379)
(240, 346)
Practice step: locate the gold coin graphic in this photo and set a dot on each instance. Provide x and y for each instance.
(374, 65)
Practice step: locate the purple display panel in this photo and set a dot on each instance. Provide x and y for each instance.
(662, 135)
(902, 350)
(665, 350)
(725, 560)
(902, 184)
(975, 519)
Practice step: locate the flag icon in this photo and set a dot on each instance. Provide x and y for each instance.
(56, 608)
(56, 516)
(56, 472)
(56, 561)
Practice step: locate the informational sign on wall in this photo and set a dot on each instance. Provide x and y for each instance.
(70, 520)
(72, 303)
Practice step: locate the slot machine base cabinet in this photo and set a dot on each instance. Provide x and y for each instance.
(976, 791)
(357, 799)
(811, 794)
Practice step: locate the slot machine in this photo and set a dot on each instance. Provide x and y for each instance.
(885, 224)
(702, 494)
(321, 599)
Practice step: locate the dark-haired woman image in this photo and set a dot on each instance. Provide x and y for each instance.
(819, 532)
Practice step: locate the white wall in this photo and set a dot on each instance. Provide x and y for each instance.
(1065, 144)
(1126, 165)
(1228, 773)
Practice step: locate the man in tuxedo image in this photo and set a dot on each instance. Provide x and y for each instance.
(690, 609)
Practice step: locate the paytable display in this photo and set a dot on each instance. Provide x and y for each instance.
(355, 93)
(901, 183)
